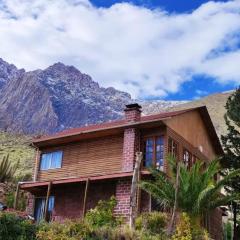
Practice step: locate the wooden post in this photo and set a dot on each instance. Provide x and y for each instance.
(16, 196)
(139, 193)
(36, 165)
(133, 194)
(85, 197)
(175, 206)
(47, 200)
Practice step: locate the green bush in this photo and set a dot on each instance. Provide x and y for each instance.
(152, 222)
(227, 231)
(102, 214)
(69, 230)
(13, 227)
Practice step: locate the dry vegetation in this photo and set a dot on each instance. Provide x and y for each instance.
(18, 148)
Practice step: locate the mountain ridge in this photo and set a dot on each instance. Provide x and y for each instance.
(61, 97)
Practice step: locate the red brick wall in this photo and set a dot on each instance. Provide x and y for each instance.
(131, 144)
(30, 204)
(123, 189)
(69, 199)
(132, 115)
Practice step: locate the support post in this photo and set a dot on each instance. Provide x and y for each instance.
(85, 197)
(133, 194)
(47, 200)
(16, 196)
(139, 194)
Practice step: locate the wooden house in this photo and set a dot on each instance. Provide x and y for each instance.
(76, 168)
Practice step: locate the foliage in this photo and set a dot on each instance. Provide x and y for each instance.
(17, 146)
(183, 230)
(152, 222)
(7, 170)
(22, 199)
(69, 230)
(227, 231)
(199, 233)
(231, 144)
(199, 181)
(102, 214)
(13, 227)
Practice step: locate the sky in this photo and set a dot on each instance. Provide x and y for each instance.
(153, 49)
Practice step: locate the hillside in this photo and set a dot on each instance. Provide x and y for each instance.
(18, 149)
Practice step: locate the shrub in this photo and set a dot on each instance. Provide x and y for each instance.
(199, 234)
(13, 227)
(227, 231)
(102, 214)
(152, 222)
(183, 230)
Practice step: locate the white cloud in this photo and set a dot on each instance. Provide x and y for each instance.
(135, 49)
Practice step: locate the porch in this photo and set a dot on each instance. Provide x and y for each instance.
(72, 198)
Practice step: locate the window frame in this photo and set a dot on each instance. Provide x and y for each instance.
(190, 163)
(51, 152)
(154, 159)
(177, 145)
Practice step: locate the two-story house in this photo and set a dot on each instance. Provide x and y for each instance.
(76, 168)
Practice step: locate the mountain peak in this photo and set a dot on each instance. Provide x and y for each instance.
(56, 98)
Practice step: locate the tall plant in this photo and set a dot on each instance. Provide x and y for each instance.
(198, 192)
(231, 145)
(7, 170)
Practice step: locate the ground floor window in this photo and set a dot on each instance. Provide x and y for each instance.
(40, 206)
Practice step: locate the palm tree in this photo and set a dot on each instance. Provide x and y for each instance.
(197, 191)
(7, 170)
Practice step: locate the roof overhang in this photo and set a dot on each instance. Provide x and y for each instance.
(29, 186)
(90, 134)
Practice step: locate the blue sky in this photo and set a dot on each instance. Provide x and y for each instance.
(200, 85)
(177, 6)
(172, 49)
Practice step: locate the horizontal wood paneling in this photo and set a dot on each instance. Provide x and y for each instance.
(92, 157)
(192, 128)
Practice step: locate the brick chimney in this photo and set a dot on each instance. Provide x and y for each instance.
(131, 144)
(133, 112)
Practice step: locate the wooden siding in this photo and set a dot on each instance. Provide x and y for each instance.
(191, 127)
(92, 157)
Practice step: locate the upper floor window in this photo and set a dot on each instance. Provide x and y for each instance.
(172, 147)
(154, 152)
(51, 160)
(187, 158)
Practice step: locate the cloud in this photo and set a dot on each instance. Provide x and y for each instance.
(147, 52)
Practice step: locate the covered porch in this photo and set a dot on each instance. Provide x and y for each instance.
(72, 198)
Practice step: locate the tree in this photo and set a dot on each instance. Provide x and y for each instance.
(198, 192)
(231, 146)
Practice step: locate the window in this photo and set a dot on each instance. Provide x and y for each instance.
(154, 152)
(172, 147)
(187, 158)
(51, 160)
(40, 206)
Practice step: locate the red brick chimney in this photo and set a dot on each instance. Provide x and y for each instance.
(133, 112)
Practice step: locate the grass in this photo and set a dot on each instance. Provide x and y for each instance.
(17, 146)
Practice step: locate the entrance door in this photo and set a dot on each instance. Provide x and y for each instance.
(40, 206)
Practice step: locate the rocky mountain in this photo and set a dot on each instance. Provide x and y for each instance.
(61, 97)
(53, 99)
